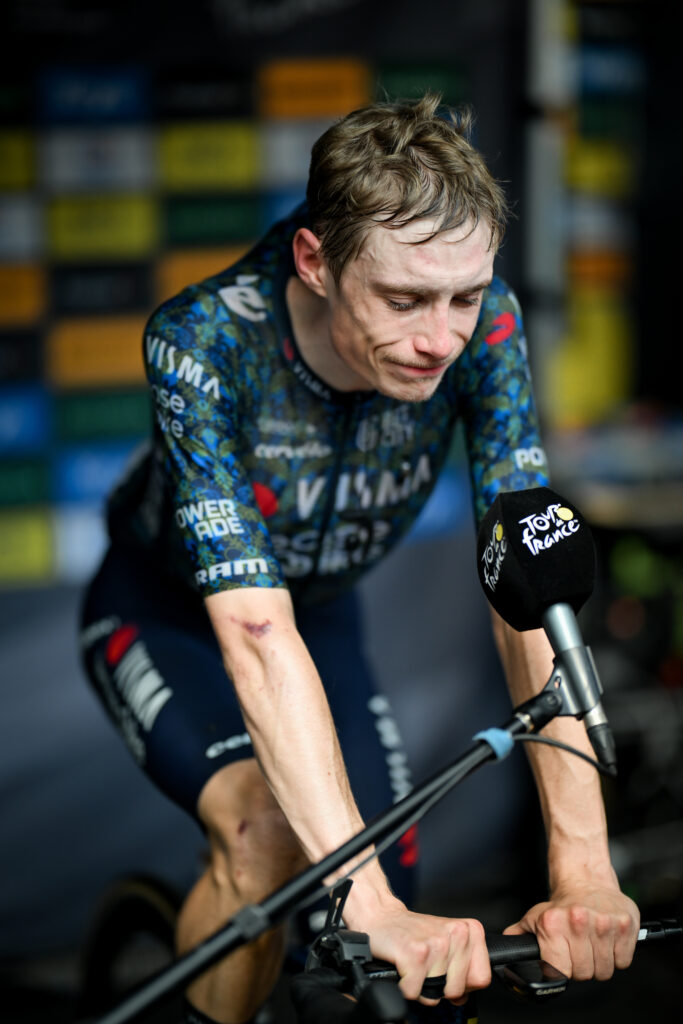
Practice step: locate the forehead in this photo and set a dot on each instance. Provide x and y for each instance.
(454, 256)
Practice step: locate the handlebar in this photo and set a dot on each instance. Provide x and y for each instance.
(343, 964)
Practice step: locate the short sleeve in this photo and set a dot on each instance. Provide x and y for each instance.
(191, 360)
(496, 403)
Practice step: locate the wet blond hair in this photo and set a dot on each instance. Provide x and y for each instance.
(393, 163)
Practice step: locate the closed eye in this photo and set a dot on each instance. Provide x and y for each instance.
(468, 300)
(401, 307)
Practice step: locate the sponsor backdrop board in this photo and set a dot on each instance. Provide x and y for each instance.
(119, 187)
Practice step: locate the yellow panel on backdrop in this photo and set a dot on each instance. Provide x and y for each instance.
(91, 351)
(103, 227)
(601, 167)
(17, 159)
(591, 372)
(26, 546)
(209, 155)
(313, 87)
(23, 295)
(179, 268)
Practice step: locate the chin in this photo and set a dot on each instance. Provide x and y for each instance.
(413, 391)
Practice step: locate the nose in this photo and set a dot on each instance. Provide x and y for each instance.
(437, 340)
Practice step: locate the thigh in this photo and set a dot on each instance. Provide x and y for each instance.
(151, 656)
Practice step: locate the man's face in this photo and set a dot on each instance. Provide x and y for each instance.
(402, 313)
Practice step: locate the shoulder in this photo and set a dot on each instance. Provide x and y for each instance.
(501, 314)
(234, 302)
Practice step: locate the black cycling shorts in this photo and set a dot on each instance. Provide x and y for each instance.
(152, 657)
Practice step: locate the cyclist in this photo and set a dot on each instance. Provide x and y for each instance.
(305, 401)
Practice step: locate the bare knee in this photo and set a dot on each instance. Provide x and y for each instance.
(253, 848)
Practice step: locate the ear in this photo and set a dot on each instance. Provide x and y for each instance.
(309, 262)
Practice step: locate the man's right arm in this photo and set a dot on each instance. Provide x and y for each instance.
(295, 742)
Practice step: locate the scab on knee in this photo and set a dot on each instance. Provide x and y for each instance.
(253, 848)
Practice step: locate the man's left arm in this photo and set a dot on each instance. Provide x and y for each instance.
(587, 927)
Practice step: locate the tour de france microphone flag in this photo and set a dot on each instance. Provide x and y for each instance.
(534, 550)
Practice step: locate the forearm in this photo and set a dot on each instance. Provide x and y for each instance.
(569, 789)
(288, 718)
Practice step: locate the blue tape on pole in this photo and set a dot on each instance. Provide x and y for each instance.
(500, 741)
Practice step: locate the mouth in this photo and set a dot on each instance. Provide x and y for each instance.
(419, 372)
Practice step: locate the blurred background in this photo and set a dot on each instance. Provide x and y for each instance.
(146, 145)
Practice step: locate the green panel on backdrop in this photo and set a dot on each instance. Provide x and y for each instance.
(204, 220)
(104, 414)
(408, 81)
(24, 481)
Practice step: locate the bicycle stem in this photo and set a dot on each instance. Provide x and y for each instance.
(254, 919)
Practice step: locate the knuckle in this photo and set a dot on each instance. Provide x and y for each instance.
(578, 919)
(623, 924)
(476, 929)
(551, 921)
(603, 925)
(459, 930)
(418, 951)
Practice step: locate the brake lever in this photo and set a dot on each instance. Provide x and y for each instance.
(348, 953)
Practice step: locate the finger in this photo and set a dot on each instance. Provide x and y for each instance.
(479, 973)
(626, 929)
(553, 940)
(441, 953)
(422, 959)
(470, 967)
(603, 946)
(516, 929)
(580, 944)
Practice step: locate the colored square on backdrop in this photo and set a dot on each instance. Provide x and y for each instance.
(87, 473)
(25, 419)
(25, 481)
(209, 155)
(204, 93)
(179, 268)
(600, 167)
(88, 159)
(410, 81)
(313, 87)
(286, 147)
(88, 416)
(93, 96)
(17, 159)
(102, 227)
(91, 351)
(26, 546)
(80, 539)
(23, 295)
(21, 356)
(279, 203)
(212, 220)
(101, 288)
(22, 233)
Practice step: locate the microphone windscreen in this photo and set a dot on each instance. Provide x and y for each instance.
(534, 549)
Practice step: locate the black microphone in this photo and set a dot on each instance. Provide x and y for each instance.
(536, 561)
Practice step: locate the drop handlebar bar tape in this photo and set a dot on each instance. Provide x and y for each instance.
(503, 949)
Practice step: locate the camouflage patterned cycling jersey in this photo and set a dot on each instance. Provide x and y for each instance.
(260, 474)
